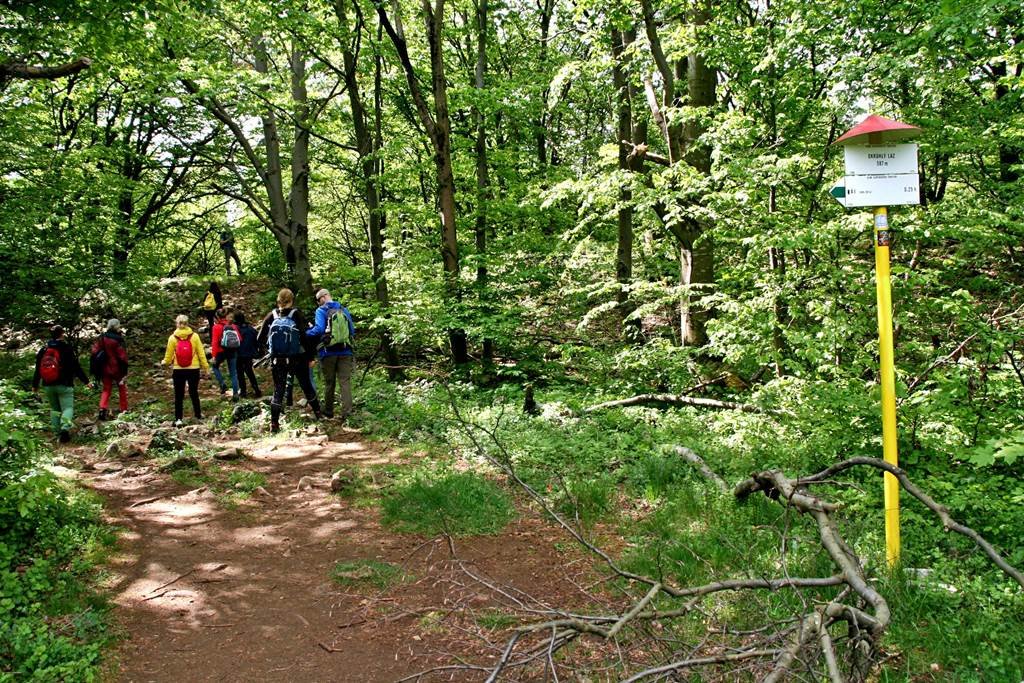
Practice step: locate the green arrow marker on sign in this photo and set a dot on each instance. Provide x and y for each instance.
(838, 191)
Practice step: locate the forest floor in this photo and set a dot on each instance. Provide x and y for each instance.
(225, 569)
(213, 586)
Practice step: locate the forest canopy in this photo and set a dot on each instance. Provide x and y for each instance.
(604, 211)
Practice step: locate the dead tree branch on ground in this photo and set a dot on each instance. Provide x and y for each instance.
(690, 401)
(808, 642)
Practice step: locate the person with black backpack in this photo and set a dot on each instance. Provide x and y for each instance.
(109, 365)
(247, 354)
(57, 367)
(225, 341)
(281, 332)
(335, 333)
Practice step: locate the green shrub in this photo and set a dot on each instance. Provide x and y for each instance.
(52, 627)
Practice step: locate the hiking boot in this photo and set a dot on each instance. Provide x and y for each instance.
(179, 424)
(234, 398)
(104, 414)
(257, 394)
(65, 436)
(223, 390)
(275, 427)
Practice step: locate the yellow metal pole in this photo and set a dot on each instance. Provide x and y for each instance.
(888, 380)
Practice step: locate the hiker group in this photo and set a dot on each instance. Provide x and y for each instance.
(285, 340)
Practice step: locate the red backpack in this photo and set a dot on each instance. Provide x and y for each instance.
(183, 352)
(49, 365)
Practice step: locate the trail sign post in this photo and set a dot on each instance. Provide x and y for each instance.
(881, 171)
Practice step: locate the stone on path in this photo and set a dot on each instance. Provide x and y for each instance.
(231, 453)
(184, 463)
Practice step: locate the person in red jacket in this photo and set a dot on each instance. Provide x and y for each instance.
(112, 367)
(225, 340)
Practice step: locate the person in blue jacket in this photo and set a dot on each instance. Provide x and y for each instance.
(334, 329)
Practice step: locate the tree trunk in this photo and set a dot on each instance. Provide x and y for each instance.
(698, 245)
(482, 179)
(624, 249)
(368, 145)
(547, 10)
(696, 248)
(298, 198)
(438, 128)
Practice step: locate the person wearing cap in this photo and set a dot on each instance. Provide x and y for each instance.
(336, 359)
(57, 368)
(110, 365)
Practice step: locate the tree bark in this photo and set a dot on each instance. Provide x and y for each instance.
(624, 222)
(11, 70)
(298, 197)
(482, 179)
(368, 144)
(438, 127)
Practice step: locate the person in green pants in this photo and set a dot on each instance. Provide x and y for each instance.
(57, 367)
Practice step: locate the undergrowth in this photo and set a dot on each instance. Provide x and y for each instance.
(613, 467)
(53, 624)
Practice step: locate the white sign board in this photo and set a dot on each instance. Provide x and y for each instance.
(881, 190)
(881, 159)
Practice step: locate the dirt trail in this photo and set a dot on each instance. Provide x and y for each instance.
(212, 590)
(208, 592)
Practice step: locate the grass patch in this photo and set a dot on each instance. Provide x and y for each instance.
(190, 478)
(374, 573)
(242, 481)
(461, 504)
(495, 620)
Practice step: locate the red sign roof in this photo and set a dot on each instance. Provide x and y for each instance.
(878, 130)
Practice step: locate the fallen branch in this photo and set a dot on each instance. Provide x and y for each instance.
(328, 648)
(798, 644)
(691, 401)
(173, 581)
(700, 661)
(948, 523)
(709, 474)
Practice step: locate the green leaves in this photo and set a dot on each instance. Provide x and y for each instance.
(1007, 450)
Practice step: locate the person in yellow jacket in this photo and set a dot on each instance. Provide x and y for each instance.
(186, 355)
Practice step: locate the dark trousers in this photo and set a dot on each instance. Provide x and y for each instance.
(283, 368)
(210, 315)
(245, 371)
(228, 255)
(180, 379)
